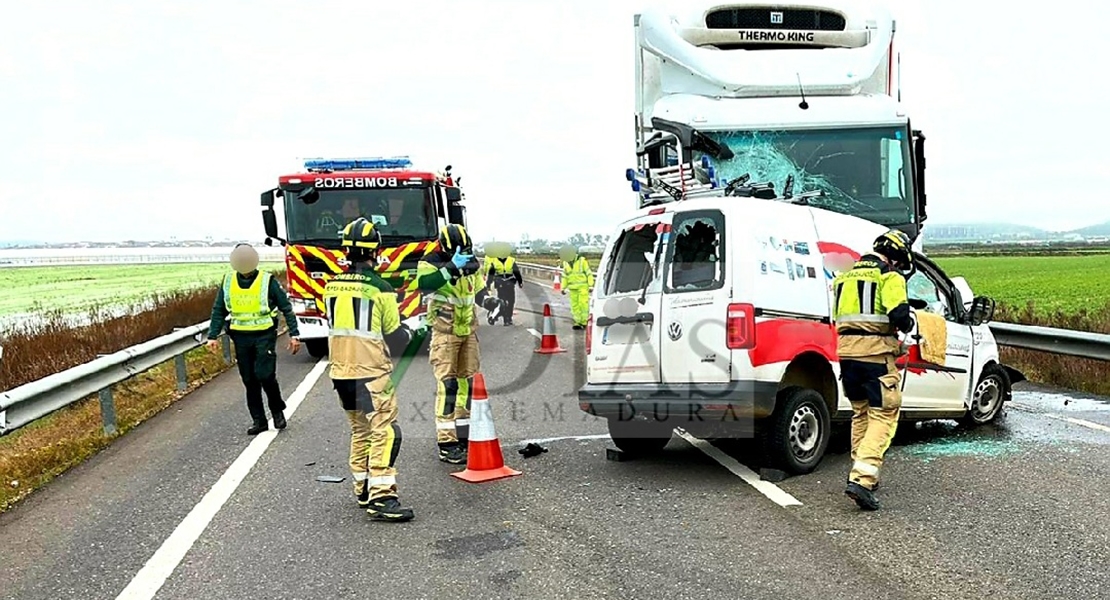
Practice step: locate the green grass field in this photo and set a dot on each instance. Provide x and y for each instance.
(73, 288)
(1065, 283)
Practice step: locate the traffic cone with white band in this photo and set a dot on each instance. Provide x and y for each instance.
(484, 462)
(549, 343)
(558, 287)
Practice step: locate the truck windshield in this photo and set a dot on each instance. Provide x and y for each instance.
(401, 215)
(863, 172)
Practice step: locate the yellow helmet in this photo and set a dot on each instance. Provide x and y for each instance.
(361, 233)
(895, 245)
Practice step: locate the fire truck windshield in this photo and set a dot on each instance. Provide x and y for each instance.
(401, 215)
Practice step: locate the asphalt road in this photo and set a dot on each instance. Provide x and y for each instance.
(1015, 510)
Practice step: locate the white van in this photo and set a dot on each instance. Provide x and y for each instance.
(713, 315)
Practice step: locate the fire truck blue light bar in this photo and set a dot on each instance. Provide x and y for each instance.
(347, 164)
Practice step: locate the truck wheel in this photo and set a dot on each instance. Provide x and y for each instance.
(316, 348)
(796, 435)
(992, 391)
(640, 438)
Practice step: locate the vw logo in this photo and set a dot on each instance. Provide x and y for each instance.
(674, 331)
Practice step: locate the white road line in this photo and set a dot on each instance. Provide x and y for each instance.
(154, 573)
(602, 436)
(772, 491)
(535, 333)
(1084, 423)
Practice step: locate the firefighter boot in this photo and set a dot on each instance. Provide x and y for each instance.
(363, 496)
(862, 496)
(389, 509)
(452, 453)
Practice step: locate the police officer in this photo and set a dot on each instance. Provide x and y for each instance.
(577, 281)
(248, 303)
(451, 280)
(362, 317)
(871, 307)
(504, 275)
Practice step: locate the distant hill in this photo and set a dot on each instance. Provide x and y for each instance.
(1102, 229)
(18, 243)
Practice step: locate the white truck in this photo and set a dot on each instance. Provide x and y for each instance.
(798, 90)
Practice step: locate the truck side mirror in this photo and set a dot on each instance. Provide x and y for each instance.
(982, 310)
(269, 218)
(919, 171)
(454, 195)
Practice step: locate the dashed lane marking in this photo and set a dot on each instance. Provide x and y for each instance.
(535, 333)
(603, 436)
(772, 491)
(1081, 422)
(157, 570)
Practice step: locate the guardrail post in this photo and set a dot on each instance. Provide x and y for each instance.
(225, 341)
(182, 372)
(108, 411)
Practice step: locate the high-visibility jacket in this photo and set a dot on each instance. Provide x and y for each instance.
(502, 268)
(452, 302)
(249, 308)
(870, 305)
(577, 274)
(362, 310)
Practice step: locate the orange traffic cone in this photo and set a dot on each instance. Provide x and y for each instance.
(558, 282)
(484, 460)
(549, 343)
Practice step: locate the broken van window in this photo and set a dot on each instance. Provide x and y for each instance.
(696, 259)
(633, 260)
(863, 172)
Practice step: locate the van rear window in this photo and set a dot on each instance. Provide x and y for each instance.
(632, 261)
(695, 261)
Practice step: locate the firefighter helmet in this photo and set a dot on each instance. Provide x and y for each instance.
(361, 233)
(895, 245)
(454, 237)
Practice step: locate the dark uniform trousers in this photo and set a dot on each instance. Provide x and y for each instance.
(506, 290)
(256, 355)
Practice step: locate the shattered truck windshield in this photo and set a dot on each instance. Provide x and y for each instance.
(401, 215)
(864, 172)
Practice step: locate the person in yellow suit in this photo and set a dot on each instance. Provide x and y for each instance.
(450, 279)
(870, 308)
(578, 279)
(362, 317)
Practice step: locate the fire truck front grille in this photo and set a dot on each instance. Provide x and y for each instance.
(313, 266)
(771, 17)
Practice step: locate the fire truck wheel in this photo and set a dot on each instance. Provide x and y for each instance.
(316, 348)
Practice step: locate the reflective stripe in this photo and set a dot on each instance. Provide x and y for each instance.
(445, 424)
(481, 430)
(359, 475)
(259, 319)
(384, 480)
(861, 318)
(462, 422)
(371, 335)
(865, 468)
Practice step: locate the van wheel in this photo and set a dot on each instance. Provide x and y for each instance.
(796, 435)
(992, 391)
(316, 348)
(640, 438)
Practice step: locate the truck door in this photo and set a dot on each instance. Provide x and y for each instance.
(930, 386)
(696, 289)
(625, 314)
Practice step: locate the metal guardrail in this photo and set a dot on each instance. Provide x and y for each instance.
(1067, 342)
(26, 403)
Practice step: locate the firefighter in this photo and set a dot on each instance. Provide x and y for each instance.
(503, 274)
(452, 283)
(362, 317)
(870, 308)
(577, 281)
(248, 303)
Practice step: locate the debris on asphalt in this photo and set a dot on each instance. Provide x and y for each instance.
(310, 464)
(772, 475)
(614, 454)
(531, 450)
(329, 479)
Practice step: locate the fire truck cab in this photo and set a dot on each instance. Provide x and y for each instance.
(408, 205)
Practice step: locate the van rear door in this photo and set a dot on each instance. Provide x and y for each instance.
(625, 318)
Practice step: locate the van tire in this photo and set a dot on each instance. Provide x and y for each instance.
(640, 438)
(316, 348)
(796, 435)
(993, 387)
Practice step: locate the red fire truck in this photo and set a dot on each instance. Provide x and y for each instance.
(408, 205)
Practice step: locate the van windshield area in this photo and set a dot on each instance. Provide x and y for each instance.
(863, 171)
(632, 263)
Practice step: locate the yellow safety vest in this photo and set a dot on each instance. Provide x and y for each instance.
(454, 299)
(502, 268)
(863, 297)
(249, 308)
(578, 274)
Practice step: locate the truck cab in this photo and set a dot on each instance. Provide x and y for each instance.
(408, 205)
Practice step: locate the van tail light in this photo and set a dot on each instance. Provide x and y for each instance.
(589, 333)
(740, 326)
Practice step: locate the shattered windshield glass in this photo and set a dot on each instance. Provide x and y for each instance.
(865, 172)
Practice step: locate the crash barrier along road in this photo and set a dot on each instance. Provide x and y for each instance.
(186, 506)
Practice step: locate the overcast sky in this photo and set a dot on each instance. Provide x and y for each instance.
(151, 119)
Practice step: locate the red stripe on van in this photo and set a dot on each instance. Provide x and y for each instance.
(780, 340)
